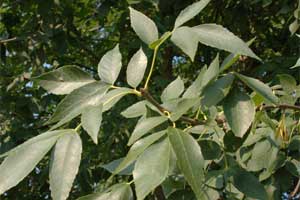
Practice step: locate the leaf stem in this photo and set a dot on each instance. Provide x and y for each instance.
(78, 127)
(152, 67)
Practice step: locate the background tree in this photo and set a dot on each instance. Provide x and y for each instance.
(40, 36)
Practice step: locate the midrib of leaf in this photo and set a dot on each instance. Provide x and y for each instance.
(186, 156)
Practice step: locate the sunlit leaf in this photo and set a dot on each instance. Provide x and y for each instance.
(64, 165)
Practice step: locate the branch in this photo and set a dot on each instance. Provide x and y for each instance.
(145, 93)
(8, 40)
(281, 106)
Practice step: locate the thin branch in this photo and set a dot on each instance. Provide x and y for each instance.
(294, 192)
(8, 40)
(281, 106)
(145, 93)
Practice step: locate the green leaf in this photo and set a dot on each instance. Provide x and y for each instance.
(120, 191)
(64, 80)
(211, 73)
(259, 156)
(136, 68)
(194, 91)
(144, 127)
(137, 149)
(249, 185)
(64, 165)
(210, 149)
(91, 119)
(22, 159)
(110, 65)
(41, 137)
(216, 91)
(183, 106)
(73, 104)
(232, 58)
(190, 12)
(259, 87)
(135, 110)
(173, 90)
(151, 168)
(113, 96)
(239, 111)
(189, 159)
(143, 26)
(217, 36)
(186, 40)
(112, 166)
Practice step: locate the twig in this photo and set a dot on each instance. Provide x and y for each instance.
(145, 93)
(281, 106)
(8, 40)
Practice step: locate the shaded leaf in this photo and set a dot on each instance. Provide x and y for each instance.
(259, 87)
(113, 96)
(216, 91)
(249, 185)
(182, 107)
(112, 166)
(239, 111)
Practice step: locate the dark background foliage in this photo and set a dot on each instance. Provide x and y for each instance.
(37, 36)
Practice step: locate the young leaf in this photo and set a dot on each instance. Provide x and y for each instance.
(259, 87)
(215, 92)
(189, 159)
(151, 168)
(22, 160)
(190, 12)
(186, 40)
(110, 65)
(136, 68)
(144, 127)
(91, 119)
(143, 26)
(239, 111)
(135, 110)
(64, 80)
(173, 90)
(249, 185)
(137, 149)
(64, 165)
(216, 36)
(73, 104)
